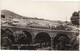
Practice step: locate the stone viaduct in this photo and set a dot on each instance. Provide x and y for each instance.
(34, 33)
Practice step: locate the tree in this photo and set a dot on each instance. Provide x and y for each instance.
(75, 18)
(2, 16)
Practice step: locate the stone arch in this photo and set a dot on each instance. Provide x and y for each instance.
(43, 37)
(29, 37)
(63, 38)
(8, 31)
(10, 35)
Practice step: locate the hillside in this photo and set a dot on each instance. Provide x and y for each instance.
(9, 16)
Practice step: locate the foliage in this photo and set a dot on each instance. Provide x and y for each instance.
(75, 18)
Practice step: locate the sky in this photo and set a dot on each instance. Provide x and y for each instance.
(51, 10)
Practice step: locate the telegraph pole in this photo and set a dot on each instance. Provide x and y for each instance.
(66, 20)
